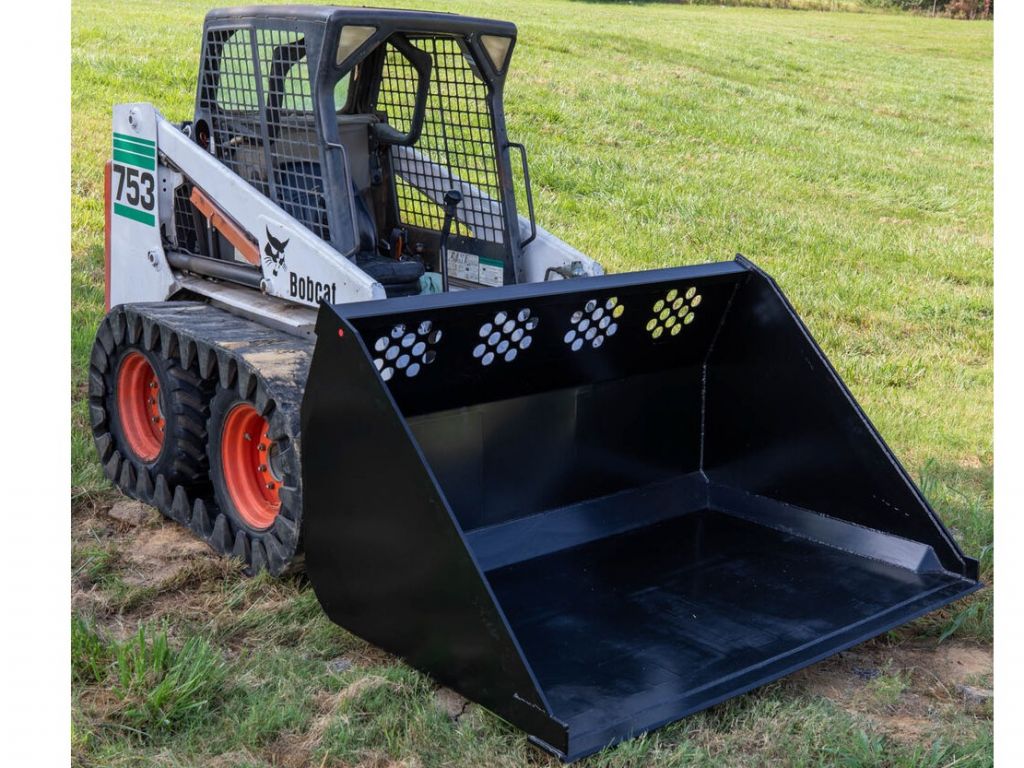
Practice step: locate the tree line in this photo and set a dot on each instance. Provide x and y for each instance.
(957, 9)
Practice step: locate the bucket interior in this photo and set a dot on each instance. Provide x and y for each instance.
(664, 519)
(630, 582)
(571, 459)
(668, 613)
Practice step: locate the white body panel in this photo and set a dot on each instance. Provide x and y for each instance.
(138, 268)
(547, 252)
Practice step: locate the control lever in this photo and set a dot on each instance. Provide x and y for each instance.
(452, 198)
(396, 243)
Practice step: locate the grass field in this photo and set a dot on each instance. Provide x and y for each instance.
(850, 155)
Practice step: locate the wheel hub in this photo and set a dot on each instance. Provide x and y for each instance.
(248, 458)
(138, 405)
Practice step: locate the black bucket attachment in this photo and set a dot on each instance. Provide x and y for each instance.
(596, 506)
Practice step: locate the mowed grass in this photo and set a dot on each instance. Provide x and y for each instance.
(850, 155)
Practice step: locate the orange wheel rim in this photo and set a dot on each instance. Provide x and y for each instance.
(246, 458)
(138, 404)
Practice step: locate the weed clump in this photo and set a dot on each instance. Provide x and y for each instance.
(153, 687)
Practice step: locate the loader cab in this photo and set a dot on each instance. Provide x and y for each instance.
(358, 122)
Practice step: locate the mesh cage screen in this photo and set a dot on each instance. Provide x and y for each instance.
(257, 90)
(236, 81)
(457, 142)
(294, 154)
(185, 231)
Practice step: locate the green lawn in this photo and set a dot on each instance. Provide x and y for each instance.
(850, 155)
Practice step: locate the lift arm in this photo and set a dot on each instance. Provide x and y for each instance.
(294, 264)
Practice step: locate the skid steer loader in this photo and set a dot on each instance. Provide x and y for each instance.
(593, 504)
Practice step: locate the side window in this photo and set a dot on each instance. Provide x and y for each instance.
(341, 92)
(236, 75)
(283, 65)
(257, 91)
(229, 95)
(296, 172)
(457, 138)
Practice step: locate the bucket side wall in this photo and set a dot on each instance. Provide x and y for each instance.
(384, 553)
(779, 423)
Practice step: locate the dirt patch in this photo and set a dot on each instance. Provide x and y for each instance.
(91, 521)
(134, 513)
(948, 665)
(151, 550)
(162, 554)
(449, 703)
(133, 564)
(908, 691)
(974, 695)
(295, 750)
(234, 759)
(971, 462)
(367, 656)
(100, 702)
(89, 602)
(381, 761)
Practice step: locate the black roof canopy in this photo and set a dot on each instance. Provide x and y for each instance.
(390, 18)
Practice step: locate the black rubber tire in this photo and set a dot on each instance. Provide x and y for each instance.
(184, 402)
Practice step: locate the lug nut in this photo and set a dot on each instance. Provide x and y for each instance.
(262, 468)
(270, 486)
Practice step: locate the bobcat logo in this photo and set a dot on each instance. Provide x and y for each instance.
(274, 250)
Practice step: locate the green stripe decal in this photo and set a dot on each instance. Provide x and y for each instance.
(128, 146)
(135, 140)
(133, 158)
(134, 214)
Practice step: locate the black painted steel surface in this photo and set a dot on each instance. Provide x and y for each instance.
(635, 515)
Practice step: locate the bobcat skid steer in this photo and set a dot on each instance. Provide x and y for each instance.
(592, 503)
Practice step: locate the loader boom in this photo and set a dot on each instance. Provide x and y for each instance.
(309, 259)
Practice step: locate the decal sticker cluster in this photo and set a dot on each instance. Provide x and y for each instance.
(133, 185)
(301, 287)
(476, 269)
(274, 253)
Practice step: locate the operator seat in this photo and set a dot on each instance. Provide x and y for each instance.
(399, 278)
(300, 192)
